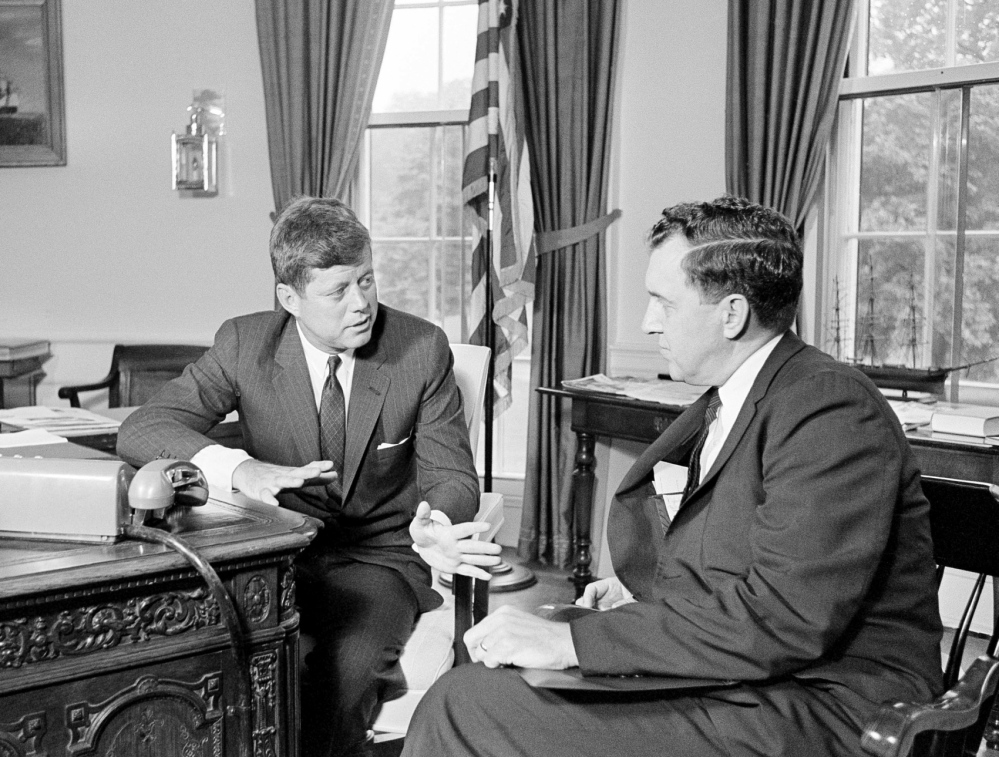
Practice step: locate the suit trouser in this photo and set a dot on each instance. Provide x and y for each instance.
(360, 616)
(473, 710)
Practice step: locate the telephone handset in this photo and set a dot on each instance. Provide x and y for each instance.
(165, 483)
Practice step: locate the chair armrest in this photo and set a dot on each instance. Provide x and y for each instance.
(895, 726)
(71, 393)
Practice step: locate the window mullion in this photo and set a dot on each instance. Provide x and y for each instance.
(962, 218)
(932, 225)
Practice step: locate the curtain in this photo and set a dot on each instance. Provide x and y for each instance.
(568, 60)
(320, 61)
(785, 62)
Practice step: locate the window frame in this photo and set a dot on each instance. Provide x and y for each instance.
(839, 200)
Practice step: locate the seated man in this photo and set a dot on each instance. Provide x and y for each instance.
(798, 565)
(350, 413)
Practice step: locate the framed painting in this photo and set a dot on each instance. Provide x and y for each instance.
(32, 110)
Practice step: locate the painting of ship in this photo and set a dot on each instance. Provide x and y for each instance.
(9, 98)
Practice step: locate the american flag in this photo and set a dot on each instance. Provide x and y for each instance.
(496, 140)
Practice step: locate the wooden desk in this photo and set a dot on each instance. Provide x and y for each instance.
(121, 650)
(620, 417)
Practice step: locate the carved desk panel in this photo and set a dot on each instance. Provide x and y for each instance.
(121, 650)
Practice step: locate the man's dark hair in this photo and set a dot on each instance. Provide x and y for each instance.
(738, 247)
(315, 232)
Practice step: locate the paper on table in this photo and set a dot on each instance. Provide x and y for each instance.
(30, 438)
(66, 421)
(911, 414)
(662, 391)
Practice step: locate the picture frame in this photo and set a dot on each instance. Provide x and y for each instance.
(32, 106)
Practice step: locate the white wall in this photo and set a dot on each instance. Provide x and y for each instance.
(102, 250)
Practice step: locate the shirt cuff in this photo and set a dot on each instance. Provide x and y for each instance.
(218, 463)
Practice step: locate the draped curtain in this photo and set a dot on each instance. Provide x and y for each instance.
(785, 62)
(568, 60)
(320, 61)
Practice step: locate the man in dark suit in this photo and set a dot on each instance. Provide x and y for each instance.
(797, 565)
(350, 413)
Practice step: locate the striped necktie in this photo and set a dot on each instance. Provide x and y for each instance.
(332, 427)
(694, 467)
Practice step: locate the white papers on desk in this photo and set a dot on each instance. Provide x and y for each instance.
(669, 481)
(31, 438)
(63, 421)
(663, 391)
(912, 414)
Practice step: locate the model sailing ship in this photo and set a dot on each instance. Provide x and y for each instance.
(907, 378)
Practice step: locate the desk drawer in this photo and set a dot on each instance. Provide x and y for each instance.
(640, 424)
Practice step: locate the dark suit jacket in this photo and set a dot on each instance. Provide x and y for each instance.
(804, 552)
(403, 390)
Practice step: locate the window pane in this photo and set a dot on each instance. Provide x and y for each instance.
(403, 272)
(907, 35)
(895, 162)
(458, 55)
(408, 76)
(983, 160)
(400, 182)
(980, 313)
(454, 281)
(449, 144)
(977, 32)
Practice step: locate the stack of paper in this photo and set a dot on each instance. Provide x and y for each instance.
(662, 391)
(63, 421)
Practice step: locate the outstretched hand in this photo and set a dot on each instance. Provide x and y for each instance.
(263, 481)
(452, 548)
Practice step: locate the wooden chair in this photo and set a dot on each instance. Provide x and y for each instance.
(964, 520)
(137, 372)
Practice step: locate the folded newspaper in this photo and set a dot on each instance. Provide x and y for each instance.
(62, 421)
(663, 391)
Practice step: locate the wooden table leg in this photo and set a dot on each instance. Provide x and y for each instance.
(582, 507)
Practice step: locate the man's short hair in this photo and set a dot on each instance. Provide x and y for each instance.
(738, 247)
(315, 232)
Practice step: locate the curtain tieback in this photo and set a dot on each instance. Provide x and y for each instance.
(549, 241)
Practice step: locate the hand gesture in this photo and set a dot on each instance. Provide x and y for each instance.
(510, 636)
(605, 594)
(263, 481)
(452, 548)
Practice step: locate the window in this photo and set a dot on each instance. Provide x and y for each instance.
(912, 201)
(410, 186)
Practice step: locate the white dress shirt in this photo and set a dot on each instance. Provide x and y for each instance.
(733, 395)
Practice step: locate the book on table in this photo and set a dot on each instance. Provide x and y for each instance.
(19, 349)
(964, 419)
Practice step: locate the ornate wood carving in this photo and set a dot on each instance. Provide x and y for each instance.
(152, 717)
(286, 599)
(256, 599)
(83, 630)
(23, 738)
(263, 679)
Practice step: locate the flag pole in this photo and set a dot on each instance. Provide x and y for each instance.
(489, 337)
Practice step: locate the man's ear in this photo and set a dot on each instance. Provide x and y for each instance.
(288, 298)
(735, 311)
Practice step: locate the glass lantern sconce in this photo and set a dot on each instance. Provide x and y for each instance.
(195, 153)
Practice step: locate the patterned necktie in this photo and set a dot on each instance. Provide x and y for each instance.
(332, 425)
(694, 467)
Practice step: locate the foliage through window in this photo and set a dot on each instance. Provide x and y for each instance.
(912, 210)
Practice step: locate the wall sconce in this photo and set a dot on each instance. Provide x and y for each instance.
(195, 153)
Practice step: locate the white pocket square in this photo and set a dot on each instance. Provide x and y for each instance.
(389, 445)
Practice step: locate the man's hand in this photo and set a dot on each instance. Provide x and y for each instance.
(262, 481)
(513, 637)
(451, 549)
(605, 594)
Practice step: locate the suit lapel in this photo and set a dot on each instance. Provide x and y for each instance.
(786, 347)
(367, 395)
(293, 388)
(670, 446)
